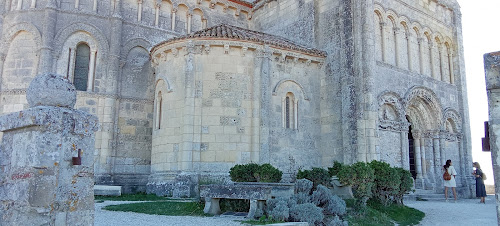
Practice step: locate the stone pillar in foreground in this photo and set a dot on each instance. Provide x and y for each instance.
(492, 69)
(46, 158)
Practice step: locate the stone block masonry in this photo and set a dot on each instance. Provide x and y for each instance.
(46, 158)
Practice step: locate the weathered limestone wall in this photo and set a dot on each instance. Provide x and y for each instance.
(119, 34)
(492, 71)
(40, 182)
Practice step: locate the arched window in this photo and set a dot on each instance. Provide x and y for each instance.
(159, 103)
(290, 111)
(82, 62)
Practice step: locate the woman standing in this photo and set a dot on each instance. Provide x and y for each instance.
(450, 183)
(480, 189)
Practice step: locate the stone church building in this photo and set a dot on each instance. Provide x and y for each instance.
(186, 89)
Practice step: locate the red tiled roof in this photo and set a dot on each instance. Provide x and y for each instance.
(229, 32)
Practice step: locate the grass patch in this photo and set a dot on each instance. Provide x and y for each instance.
(161, 208)
(377, 214)
(131, 197)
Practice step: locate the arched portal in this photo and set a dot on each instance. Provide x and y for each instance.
(423, 112)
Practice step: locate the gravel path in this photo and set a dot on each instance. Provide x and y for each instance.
(439, 213)
(107, 218)
(463, 212)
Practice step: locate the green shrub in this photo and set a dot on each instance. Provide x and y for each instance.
(280, 212)
(335, 169)
(360, 176)
(253, 172)
(405, 186)
(267, 173)
(303, 186)
(244, 173)
(387, 181)
(316, 175)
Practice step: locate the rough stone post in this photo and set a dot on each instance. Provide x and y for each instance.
(492, 69)
(46, 158)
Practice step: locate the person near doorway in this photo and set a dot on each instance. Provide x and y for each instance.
(480, 189)
(450, 183)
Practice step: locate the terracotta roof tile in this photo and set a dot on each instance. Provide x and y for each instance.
(224, 31)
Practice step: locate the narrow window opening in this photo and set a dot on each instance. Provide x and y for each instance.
(82, 63)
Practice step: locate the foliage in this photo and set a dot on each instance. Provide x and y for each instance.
(324, 198)
(303, 185)
(335, 169)
(131, 197)
(244, 173)
(267, 173)
(361, 177)
(301, 198)
(253, 172)
(405, 186)
(281, 212)
(161, 208)
(234, 205)
(316, 175)
(387, 181)
(306, 212)
(336, 206)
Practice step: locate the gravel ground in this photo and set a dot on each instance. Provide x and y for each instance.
(109, 218)
(463, 212)
(440, 213)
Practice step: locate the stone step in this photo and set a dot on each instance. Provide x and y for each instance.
(107, 190)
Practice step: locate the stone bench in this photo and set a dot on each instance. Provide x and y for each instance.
(257, 193)
(106, 190)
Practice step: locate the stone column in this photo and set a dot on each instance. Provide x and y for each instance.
(46, 62)
(492, 69)
(442, 143)
(418, 156)
(442, 63)
(94, 7)
(33, 4)
(421, 55)
(157, 13)
(463, 164)
(422, 154)
(90, 82)
(437, 160)
(174, 11)
(397, 42)
(405, 149)
(382, 34)
(264, 57)
(47, 158)
(139, 11)
(409, 40)
(419, 181)
(189, 16)
(450, 62)
(19, 5)
(77, 4)
(432, 54)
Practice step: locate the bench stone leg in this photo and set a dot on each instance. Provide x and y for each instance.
(260, 208)
(212, 206)
(253, 208)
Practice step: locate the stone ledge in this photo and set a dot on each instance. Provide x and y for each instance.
(106, 190)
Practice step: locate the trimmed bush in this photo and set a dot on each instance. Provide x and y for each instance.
(336, 221)
(387, 181)
(405, 186)
(307, 212)
(336, 206)
(335, 169)
(361, 177)
(324, 198)
(253, 172)
(301, 198)
(303, 185)
(316, 175)
(267, 173)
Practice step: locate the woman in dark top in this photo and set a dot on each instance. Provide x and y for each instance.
(480, 190)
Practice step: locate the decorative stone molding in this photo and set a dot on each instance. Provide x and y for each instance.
(455, 118)
(395, 126)
(65, 33)
(427, 95)
(12, 32)
(278, 85)
(132, 43)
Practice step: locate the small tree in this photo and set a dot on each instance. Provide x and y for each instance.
(361, 177)
(316, 175)
(335, 169)
(405, 186)
(387, 181)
